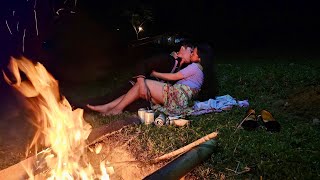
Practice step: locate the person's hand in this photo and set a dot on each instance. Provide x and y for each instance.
(152, 74)
(174, 54)
(155, 74)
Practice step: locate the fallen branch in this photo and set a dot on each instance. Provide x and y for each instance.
(234, 150)
(236, 173)
(242, 121)
(185, 148)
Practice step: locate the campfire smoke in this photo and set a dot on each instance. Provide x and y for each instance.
(60, 129)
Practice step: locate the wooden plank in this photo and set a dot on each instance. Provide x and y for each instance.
(17, 171)
(99, 133)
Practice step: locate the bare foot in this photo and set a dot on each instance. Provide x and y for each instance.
(100, 108)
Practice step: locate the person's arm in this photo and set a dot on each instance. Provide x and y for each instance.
(168, 76)
(159, 62)
(183, 73)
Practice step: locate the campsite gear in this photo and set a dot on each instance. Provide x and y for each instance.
(218, 104)
(160, 120)
(269, 122)
(250, 121)
(170, 120)
(177, 121)
(141, 113)
(148, 117)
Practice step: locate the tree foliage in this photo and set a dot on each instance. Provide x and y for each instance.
(138, 16)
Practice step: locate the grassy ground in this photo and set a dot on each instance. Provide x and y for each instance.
(271, 83)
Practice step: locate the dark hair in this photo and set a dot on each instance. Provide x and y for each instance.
(186, 44)
(210, 86)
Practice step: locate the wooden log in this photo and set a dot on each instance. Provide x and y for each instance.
(17, 171)
(179, 167)
(99, 133)
(185, 148)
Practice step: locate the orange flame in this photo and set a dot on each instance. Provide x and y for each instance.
(59, 128)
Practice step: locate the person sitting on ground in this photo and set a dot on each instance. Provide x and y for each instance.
(162, 62)
(174, 98)
(210, 86)
(171, 64)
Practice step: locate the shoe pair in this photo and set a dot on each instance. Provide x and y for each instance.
(250, 122)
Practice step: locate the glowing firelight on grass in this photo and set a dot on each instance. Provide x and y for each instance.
(59, 128)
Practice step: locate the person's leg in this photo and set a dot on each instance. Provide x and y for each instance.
(155, 88)
(106, 107)
(131, 96)
(104, 99)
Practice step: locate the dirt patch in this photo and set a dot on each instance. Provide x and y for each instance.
(123, 154)
(305, 102)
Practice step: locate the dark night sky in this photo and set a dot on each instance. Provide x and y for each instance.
(243, 23)
(227, 23)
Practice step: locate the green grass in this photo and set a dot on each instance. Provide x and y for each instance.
(292, 153)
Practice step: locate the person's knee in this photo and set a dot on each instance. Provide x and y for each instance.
(141, 94)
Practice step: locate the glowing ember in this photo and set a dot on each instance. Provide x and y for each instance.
(59, 128)
(98, 148)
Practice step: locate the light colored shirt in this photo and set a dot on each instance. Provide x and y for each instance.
(193, 76)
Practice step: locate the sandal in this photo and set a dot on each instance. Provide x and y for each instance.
(269, 122)
(250, 121)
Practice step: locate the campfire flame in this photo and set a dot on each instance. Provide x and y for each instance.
(60, 129)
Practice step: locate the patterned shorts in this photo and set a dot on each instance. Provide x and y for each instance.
(176, 99)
